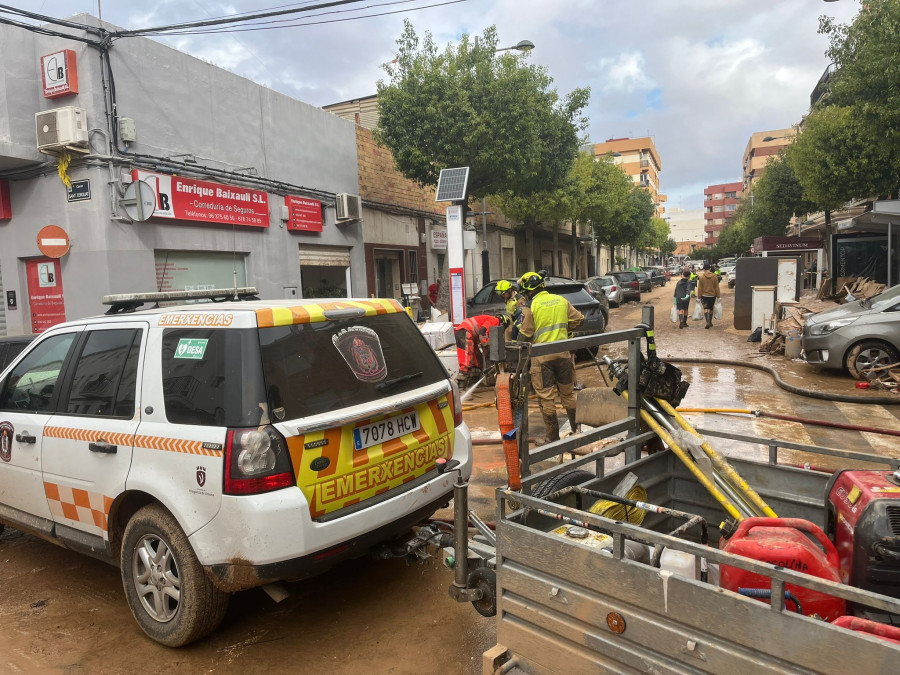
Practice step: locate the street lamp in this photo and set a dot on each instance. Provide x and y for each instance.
(522, 46)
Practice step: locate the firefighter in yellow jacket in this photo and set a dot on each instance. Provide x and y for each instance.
(549, 318)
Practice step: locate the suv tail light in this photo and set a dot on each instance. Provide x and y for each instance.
(256, 461)
(456, 402)
(612, 289)
(635, 284)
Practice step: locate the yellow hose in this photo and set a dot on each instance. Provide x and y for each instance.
(621, 512)
(723, 466)
(689, 463)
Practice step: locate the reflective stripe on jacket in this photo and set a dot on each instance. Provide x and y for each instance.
(551, 317)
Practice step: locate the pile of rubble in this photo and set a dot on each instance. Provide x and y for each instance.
(850, 289)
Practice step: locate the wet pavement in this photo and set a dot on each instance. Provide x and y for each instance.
(63, 612)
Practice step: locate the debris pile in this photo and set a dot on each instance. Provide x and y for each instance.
(886, 378)
(850, 289)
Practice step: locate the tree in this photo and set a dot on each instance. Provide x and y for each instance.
(835, 159)
(779, 191)
(668, 247)
(469, 106)
(850, 145)
(609, 205)
(733, 239)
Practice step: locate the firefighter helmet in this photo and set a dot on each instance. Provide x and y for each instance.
(531, 281)
(503, 285)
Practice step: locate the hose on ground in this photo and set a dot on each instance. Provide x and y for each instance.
(793, 418)
(821, 395)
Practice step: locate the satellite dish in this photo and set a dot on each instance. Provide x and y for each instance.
(139, 201)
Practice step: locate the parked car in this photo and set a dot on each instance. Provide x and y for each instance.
(595, 310)
(209, 448)
(727, 269)
(629, 282)
(609, 286)
(732, 278)
(858, 336)
(11, 347)
(658, 276)
(644, 280)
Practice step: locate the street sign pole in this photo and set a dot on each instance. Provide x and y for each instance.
(456, 262)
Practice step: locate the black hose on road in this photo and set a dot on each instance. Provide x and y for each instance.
(821, 395)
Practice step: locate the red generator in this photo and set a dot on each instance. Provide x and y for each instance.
(864, 522)
(782, 542)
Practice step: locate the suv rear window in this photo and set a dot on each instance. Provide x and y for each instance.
(320, 367)
(577, 295)
(624, 277)
(212, 377)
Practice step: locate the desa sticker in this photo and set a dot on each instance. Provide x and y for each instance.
(191, 348)
(361, 349)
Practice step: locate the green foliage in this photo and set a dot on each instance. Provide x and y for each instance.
(654, 236)
(836, 159)
(470, 106)
(733, 239)
(850, 145)
(779, 192)
(668, 247)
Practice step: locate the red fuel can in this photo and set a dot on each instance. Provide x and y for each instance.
(782, 542)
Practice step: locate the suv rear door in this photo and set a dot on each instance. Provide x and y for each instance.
(88, 443)
(28, 397)
(363, 402)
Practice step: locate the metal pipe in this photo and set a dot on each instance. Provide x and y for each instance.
(721, 464)
(460, 532)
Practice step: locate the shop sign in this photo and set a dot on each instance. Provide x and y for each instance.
(439, 240)
(180, 198)
(45, 294)
(59, 74)
(80, 191)
(304, 214)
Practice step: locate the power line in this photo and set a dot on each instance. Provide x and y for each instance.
(306, 23)
(287, 21)
(232, 19)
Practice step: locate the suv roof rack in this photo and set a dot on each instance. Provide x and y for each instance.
(128, 302)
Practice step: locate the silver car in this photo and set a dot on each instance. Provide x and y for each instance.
(609, 286)
(858, 336)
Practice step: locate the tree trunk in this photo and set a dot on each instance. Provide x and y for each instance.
(556, 265)
(529, 245)
(572, 257)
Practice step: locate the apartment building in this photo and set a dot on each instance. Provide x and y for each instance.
(720, 203)
(640, 160)
(762, 146)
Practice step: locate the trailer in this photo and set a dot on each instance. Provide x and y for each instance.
(577, 588)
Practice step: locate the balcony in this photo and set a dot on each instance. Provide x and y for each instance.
(645, 163)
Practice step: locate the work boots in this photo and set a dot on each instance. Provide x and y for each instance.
(682, 322)
(551, 424)
(708, 319)
(571, 413)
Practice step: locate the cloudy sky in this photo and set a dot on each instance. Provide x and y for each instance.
(698, 75)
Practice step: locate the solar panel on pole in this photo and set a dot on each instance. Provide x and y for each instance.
(452, 184)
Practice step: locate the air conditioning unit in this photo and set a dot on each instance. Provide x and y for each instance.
(61, 128)
(347, 206)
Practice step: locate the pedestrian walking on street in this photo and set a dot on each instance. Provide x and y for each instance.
(683, 298)
(549, 318)
(708, 292)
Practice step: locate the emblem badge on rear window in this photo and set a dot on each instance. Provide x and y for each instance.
(6, 439)
(361, 349)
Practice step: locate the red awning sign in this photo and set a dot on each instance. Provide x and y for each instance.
(53, 241)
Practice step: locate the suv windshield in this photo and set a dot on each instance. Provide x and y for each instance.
(320, 367)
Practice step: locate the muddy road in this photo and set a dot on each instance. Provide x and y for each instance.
(63, 612)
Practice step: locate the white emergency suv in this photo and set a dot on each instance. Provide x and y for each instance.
(213, 447)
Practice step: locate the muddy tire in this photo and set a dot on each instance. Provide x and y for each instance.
(563, 480)
(484, 579)
(169, 594)
(869, 354)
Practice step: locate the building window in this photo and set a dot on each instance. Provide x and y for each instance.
(731, 207)
(718, 209)
(731, 195)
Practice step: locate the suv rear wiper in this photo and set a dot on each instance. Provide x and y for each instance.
(387, 385)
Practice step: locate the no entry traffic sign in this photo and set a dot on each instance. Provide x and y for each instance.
(53, 241)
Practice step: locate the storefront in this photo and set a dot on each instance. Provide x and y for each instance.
(240, 195)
